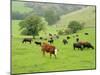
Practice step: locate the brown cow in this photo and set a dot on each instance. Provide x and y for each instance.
(86, 44)
(47, 48)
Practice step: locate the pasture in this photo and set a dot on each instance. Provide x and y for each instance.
(28, 58)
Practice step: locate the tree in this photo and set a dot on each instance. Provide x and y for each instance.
(51, 16)
(75, 26)
(32, 25)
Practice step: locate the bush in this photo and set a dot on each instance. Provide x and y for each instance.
(32, 25)
(68, 31)
(60, 32)
(75, 26)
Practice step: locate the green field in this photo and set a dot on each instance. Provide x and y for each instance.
(28, 58)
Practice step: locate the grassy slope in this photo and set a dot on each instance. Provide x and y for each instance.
(27, 58)
(19, 7)
(86, 15)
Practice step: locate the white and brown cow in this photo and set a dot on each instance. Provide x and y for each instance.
(48, 48)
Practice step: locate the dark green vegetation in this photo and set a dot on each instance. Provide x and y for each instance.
(32, 25)
(51, 12)
(75, 26)
(28, 58)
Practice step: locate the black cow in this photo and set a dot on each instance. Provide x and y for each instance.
(77, 39)
(41, 38)
(77, 45)
(37, 43)
(27, 40)
(68, 37)
(50, 34)
(86, 33)
(65, 41)
(77, 35)
(51, 41)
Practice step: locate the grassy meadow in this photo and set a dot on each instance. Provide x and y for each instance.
(28, 58)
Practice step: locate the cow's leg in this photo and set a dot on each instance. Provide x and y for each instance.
(30, 42)
(43, 53)
(55, 52)
(50, 55)
(81, 49)
(55, 55)
(73, 47)
(23, 41)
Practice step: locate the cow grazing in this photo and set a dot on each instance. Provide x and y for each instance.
(86, 33)
(65, 41)
(51, 41)
(87, 45)
(77, 35)
(77, 39)
(68, 37)
(48, 48)
(27, 40)
(37, 43)
(50, 34)
(41, 38)
(77, 45)
(56, 36)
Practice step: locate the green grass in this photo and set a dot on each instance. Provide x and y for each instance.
(15, 28)
(28, 58)
(20, 7)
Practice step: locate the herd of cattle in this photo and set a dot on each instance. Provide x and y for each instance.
(48, 47)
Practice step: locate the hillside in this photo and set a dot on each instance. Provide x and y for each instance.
(20, 7)
(85, 15)
(50, 11)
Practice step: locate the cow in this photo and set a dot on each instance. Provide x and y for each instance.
(50, 34)
(86, 33)
(51, 41)
(87, 45)
(37, 43)
(56, 36)
(77, 35)
(48, 48)
(77, 45)
(27, 40)
(77, 39)
(65, 41)
(41, 38)
(68, 37)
